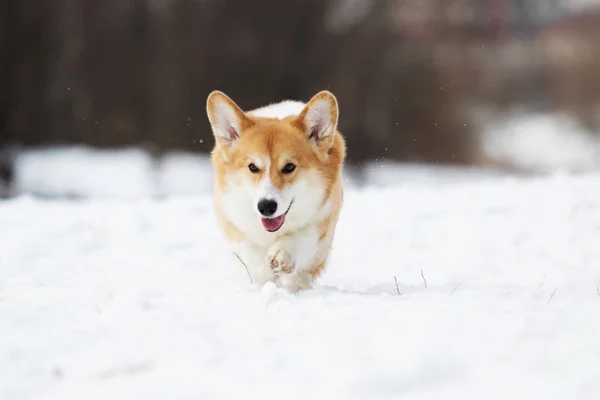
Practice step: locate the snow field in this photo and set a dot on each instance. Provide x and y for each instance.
(139, 299)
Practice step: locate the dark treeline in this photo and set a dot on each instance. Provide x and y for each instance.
(137, 72)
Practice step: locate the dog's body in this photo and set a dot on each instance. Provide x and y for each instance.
(278, 188)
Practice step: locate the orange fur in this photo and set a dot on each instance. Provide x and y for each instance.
(243, 138)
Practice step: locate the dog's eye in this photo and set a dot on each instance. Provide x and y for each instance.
(253, 168)
(288, 168)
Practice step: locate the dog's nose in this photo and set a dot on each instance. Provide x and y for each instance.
(267, 207)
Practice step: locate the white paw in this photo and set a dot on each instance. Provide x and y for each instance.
(280, 260)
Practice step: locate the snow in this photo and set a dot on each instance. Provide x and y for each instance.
(85, 172)
(125, 294)
(534, 143)
(542, 143)
(82, 171)
(182, 174)
(385, 173)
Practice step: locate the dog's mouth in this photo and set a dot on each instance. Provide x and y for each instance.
(274, 224)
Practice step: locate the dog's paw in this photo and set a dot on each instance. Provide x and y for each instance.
(279, 259)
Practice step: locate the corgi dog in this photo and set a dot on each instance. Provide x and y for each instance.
(278, 185)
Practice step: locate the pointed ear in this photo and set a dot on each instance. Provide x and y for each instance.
(319, 118)
(227, 120)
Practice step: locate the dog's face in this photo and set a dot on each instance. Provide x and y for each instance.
(274, 174)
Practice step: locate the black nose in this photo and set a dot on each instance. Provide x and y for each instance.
(267, 207)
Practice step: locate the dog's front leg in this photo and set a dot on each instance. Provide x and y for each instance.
(291, 256)
(281, 256)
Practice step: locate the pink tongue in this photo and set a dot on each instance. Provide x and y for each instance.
(272, 224)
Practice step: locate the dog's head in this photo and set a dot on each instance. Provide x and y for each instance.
(275, 166)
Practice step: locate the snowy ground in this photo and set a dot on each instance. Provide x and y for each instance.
(542, 143)
(135, 297)
(534, 143)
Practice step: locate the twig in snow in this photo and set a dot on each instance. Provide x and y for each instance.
(245, 266)
(552, 295)
(424, 280)
(453, 290)
(128, 370)
(397, 288)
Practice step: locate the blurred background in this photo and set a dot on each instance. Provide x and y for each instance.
(108, 97)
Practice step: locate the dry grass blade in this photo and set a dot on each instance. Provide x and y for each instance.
(128, 370)
(552, 295)
(453, 290)
(424, 280)
(397, 287)
(245, 266)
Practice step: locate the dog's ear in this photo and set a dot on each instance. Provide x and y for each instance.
(226, 119)
(319, 119)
